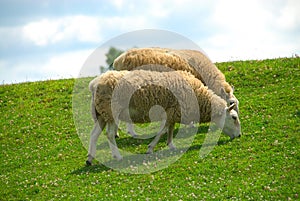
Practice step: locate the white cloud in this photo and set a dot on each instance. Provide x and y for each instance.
(242, 19)
(118, 3)
(159, 10)
(289, 16)
(41, 32)
(66, 65)
(46, 31)
(124, 24)
(79, 28)
(250, 30)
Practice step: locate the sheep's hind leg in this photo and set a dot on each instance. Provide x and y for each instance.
(98, 126)
(112, 129)
(130, 130)
(170, 137)
(162, 126)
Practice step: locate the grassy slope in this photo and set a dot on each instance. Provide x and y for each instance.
(42, 157)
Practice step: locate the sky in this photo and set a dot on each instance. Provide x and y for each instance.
(54, 39)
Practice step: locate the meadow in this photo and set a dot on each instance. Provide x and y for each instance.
(44, 159)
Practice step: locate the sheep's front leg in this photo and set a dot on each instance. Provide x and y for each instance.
(93, 143)
(112, 129)
(155, 141)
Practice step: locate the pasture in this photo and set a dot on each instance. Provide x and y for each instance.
(42, 157)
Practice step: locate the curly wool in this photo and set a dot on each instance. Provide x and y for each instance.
(153, 59)
(171, 90)
(188, 60)
(211, 75)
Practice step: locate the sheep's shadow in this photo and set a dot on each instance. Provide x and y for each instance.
(128, 141)
(127, 160)
(198, 147)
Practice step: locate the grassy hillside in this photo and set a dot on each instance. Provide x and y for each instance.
(42, 157)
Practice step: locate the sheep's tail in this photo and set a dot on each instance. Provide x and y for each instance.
(91, 85)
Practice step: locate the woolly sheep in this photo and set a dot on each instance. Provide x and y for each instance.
(189, 60)
(109, 90)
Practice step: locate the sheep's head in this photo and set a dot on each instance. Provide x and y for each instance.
(230, 98)
(232, 125)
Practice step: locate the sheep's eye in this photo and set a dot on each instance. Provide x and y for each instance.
(234, 117)
(231, 102)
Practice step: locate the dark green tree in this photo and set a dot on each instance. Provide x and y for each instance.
(111, 55)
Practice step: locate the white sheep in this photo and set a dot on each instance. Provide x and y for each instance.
(129, 95)
(188, 60)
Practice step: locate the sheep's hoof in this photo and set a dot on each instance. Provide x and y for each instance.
(172, 147)
(149, 151)
(88, 163)
(232, 138)
(118, 158)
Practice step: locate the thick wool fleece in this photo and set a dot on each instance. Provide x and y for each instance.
(135, 92)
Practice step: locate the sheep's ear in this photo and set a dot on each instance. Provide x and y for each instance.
(230, 107)
(223, 93)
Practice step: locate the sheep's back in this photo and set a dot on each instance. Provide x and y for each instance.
(140, 58)
(187, 60)
(211, 75)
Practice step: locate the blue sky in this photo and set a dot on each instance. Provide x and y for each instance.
(46, 39)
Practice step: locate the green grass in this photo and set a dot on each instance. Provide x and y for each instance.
(42, 157)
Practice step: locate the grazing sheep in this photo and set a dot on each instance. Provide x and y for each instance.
(188, 60)
(129, 95)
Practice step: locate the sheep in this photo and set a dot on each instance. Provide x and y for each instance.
(128, 95)
(189, 60)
